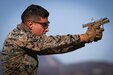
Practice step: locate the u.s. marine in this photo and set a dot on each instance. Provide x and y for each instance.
(28, 40)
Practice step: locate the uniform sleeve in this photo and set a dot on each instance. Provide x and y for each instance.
(46, 45)
(60, 44)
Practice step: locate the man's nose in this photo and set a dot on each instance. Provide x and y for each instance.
(47, 29)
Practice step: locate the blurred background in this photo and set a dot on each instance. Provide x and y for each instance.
(67, 17)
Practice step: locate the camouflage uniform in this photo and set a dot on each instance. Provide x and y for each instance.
(21, 48)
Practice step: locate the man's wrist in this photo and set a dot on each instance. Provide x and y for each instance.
(82, 39)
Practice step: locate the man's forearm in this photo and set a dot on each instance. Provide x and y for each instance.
(61, 44)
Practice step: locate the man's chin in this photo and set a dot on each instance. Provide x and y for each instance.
(44, 33)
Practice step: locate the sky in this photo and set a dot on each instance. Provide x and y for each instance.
(66, 17)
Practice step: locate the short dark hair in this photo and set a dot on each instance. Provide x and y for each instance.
(34, 12)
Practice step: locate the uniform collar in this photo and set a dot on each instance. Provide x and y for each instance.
(23, 27)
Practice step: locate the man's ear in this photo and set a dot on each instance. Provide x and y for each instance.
(29, 24)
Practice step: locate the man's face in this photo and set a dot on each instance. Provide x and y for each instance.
(40, 27)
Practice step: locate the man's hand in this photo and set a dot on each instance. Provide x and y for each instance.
(99, 34)
(92, 34)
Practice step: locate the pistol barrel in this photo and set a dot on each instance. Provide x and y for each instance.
(97, 22)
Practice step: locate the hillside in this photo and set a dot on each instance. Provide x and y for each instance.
(84, 68)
